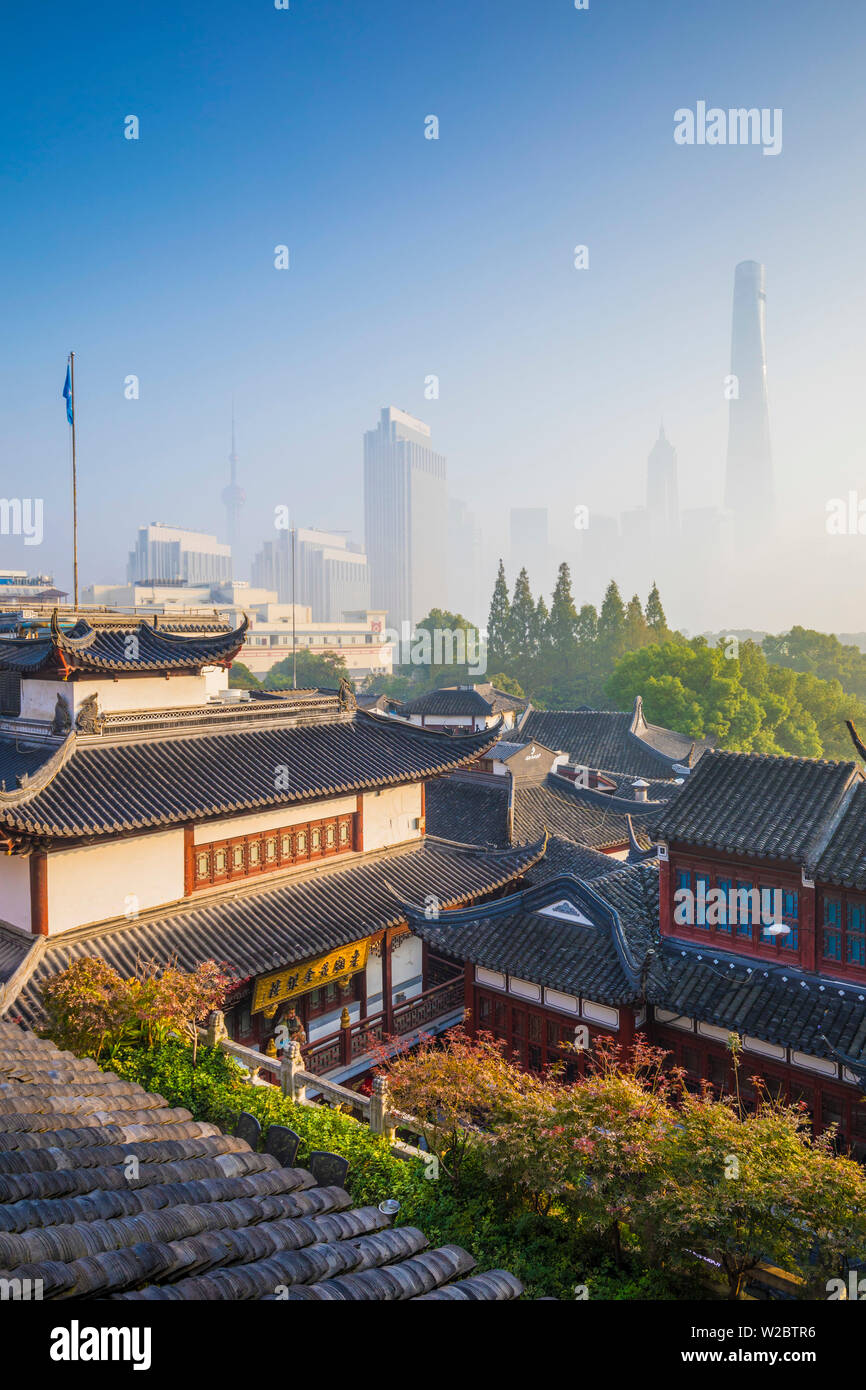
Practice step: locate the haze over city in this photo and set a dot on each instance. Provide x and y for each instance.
(453, 257)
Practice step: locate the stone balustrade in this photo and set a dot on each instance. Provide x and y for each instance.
(288, 1072)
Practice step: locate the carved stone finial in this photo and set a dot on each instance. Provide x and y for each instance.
(216, 1028)
(347, 695)
(89, 719)
(62, 721)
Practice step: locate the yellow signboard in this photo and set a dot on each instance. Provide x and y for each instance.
(271, 990)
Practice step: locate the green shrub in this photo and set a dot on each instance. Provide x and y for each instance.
(550, 1254)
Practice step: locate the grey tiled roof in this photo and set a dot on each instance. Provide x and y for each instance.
(468, 809)
(843, 861)
(106, 647)
(565, 857)
(104, 786)
(599, 958)
(564, 810)
(466, 700)
(204, 1217)
(747, 803)
(776, 1003)
(270, 926)
(612, 741)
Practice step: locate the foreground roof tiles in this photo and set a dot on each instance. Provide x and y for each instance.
(103, 786)
(203, 1217)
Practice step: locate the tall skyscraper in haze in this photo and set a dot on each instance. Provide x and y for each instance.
(405, 518)
(662, 494)
(464, 563)
(233, 496)
(530, 547)
(749, 477)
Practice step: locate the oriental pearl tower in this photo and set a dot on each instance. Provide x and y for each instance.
(233, 497)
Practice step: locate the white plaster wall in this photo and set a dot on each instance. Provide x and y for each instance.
(389, 816)
(15, 891)
(97, 882)
(406, 967)
(270, 820)
(374, 984)
(38, 698)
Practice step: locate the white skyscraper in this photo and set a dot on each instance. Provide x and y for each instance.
(174, 555)
(405, 518)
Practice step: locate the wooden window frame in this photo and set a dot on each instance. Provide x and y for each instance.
(333, 835)
(828, 965)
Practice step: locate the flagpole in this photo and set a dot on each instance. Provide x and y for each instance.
(74, 486)
(294, 643)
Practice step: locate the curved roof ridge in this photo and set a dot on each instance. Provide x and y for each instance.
(43, 776)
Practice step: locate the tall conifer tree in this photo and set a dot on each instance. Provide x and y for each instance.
(497, 623)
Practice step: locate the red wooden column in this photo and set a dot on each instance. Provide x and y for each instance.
(469, 996)
(665, 895)
(387, 988)
(358, 838)
(39, 893)
(188, 859)
(809, 947)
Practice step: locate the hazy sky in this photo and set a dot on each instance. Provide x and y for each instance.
(411, 256)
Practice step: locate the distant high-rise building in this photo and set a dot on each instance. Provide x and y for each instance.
(530, 546)
(405, 518)
(172, 555)
(272, 567)
(749, 479)
(330, 573)
(464, 563)
(233, 495)
(662, 496)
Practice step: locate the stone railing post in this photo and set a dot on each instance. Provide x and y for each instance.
(380, 1109)
(290, 1083)
(216, 1028)
(345, 1037)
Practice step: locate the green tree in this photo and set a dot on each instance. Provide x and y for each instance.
(497, 622)
(242, 678)
(522, 629)
(655, 615)
(611, 622)
(636, 627)
(312, 671)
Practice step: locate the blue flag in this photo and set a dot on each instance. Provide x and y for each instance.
(67, 393)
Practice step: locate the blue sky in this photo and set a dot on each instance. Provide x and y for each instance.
(411, 256)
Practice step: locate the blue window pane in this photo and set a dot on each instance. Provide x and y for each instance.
(856, 936)
(725, 885)
(684, 878)
(744, 919)
(701, 900)
(832, 928)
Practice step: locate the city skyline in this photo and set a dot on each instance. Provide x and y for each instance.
(531, 372)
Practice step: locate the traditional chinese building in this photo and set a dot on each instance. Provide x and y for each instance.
(149, 813)
(470, 707)
(751, 922)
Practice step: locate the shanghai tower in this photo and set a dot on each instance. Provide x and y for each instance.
(749, 478)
